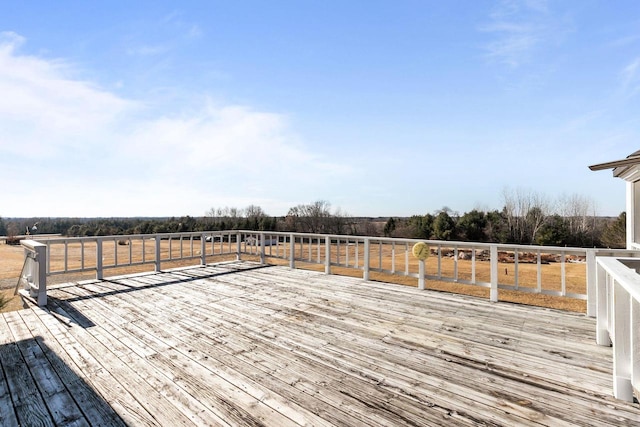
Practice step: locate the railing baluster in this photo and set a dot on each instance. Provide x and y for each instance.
(327, 254)
(539, 273)
(367, 258)
(357, 256)
(473, 265)
(515, 268)
(393, 257)
(563, 274)
(455, 263)
(406, 259)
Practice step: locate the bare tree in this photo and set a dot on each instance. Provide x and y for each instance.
(578, 211)
(526, 212)
(253, 211)
(312, 218)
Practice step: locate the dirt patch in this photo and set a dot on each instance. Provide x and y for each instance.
(14, 302)
(11, 259)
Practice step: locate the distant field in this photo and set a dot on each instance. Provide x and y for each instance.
(11, 259)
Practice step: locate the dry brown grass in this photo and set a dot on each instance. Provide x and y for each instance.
(11, 259)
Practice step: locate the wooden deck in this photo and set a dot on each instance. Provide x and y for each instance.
(240, 344)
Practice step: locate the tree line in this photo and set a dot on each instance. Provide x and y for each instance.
(526, 218)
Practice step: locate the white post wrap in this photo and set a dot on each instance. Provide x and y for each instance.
(158, 253)
(591, 283)
(367, 258)
(292, 250)
(41, 273)
(99, 271)
(493, 294)
(203, 249)
(35, 270)
(421, 272)
(327, 254)
(621, 330)
(602, 327)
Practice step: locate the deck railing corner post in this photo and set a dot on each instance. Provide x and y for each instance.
(41, 255)
(262, 246)
(292, 250)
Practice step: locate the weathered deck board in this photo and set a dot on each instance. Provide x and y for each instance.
(238, 344)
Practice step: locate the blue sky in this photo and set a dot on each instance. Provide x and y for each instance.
(158, 108)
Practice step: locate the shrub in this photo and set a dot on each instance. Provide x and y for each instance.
(13, 240)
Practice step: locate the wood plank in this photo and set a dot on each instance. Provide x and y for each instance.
(28, 404)
(170, 322)
(59, 402)
(93, 406)
(301, 415)
(210, 390)
(158, 408)
(7, 413)
(271, 345)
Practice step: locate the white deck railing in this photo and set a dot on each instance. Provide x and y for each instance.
(612, 287)
(390, 256)
(618, 320)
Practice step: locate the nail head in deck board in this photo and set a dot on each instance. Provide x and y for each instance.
(335, 350)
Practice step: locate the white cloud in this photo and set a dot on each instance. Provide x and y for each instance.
(517, 27)
(91, 152)
(43, 109)
(630, 76)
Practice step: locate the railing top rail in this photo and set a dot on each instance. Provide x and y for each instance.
(627, 277)
(506, 246)
(31, 244)
(446, 243)
(139, 236)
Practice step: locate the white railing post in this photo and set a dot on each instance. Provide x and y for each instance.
(602, 327)
(621, 331)
(591, 283)
(493, 294)
(292, 250)
(635, 343)
(203, 249)
(367, 258)
(262, 244)
(41, 273)
(238, 245)
(34, 271)
(99, 270)
(157, 261)
(421, 270)
(327, 254)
